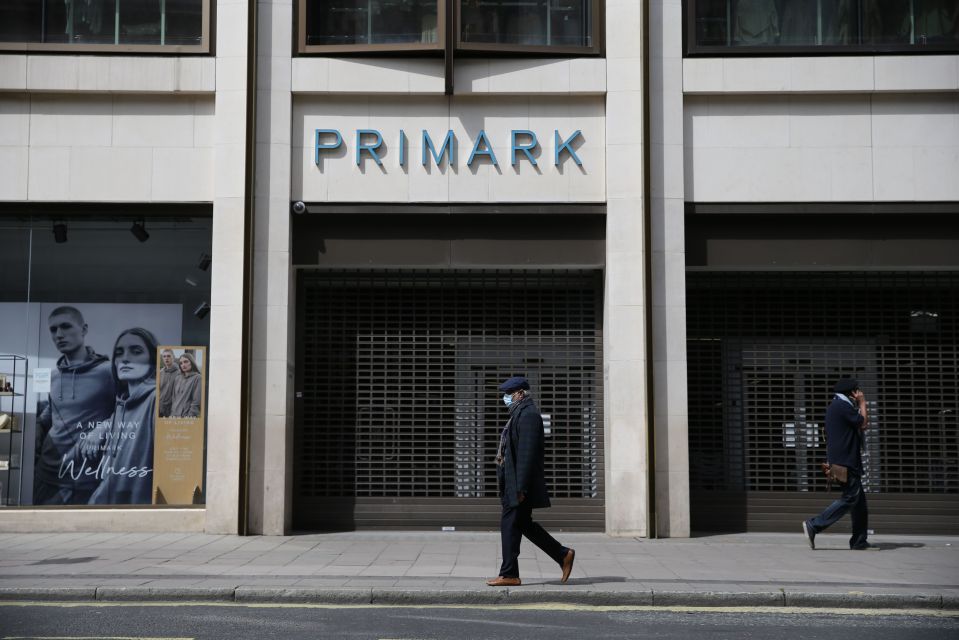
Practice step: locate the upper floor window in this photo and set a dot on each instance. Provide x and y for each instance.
(506, 24)
(148, 26)
(760, 27)
(566, 27)
(348, 25)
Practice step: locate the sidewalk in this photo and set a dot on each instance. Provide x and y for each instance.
(776, 570)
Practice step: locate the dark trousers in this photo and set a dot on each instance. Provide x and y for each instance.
(853, 501)
(517, 522)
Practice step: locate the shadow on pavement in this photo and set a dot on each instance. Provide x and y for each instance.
(889, 546)
(581, 581)
(880, 546)
(66, 560)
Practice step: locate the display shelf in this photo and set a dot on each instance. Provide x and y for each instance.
(13, 375)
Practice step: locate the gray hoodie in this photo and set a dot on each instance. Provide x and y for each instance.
(126, 467)
(81, 395)
(186, 395)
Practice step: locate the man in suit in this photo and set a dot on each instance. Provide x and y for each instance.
(846, 421)
(522, 485)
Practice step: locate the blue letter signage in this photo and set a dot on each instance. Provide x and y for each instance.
(523, 142)
(369, 148)
(525, 148)
(319, 146)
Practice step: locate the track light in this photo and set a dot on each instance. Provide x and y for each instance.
(60, 233)
(205, 261)
(139, 231)
(201, 311)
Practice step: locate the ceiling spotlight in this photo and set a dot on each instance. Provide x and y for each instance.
(60, 233)
(139, 231)
(205, 261)
(202, 310)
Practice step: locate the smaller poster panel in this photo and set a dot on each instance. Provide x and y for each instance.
(180, 416)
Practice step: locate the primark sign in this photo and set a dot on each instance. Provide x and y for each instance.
(524, 146)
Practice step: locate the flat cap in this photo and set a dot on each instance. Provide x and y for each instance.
(846, 386)
(514, 384)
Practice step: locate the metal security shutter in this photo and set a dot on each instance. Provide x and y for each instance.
(399, 418)
(764, 351)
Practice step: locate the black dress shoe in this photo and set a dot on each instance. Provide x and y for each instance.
(865, 546)
(810, 534)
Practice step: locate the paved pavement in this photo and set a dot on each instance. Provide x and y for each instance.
(776, 570)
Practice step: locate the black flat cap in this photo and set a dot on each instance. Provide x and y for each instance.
(514, 384)
(846, 386)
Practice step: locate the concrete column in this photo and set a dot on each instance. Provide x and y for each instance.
(669, 268)
(624, 317)
(271, 446)
(226, 288)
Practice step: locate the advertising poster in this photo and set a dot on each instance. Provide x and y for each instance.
(95, 424)
(180, 412)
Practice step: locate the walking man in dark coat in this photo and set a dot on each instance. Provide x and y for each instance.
(846, 422)
(522, 485)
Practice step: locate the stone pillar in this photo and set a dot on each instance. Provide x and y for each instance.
(669, 268)
(271, 446)
(624, 317)
(226, 288)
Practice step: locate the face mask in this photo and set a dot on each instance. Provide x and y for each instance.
(507, 399)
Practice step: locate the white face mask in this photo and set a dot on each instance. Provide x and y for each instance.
(507, 399)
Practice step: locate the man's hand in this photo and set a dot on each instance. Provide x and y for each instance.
(520, 496)
(860, 399)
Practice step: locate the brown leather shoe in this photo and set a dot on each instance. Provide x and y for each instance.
(501, 581)
(568, 565)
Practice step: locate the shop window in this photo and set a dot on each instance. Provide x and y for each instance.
(764, 27)
(149, 26)
(566, 27)
(104, 348)
(569, 26)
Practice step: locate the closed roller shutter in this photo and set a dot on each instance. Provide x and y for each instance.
(764, 351)
(398, 416)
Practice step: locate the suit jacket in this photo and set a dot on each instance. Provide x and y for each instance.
(523, 466)
(843, 435)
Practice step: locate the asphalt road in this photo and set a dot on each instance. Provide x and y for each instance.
(238, 622)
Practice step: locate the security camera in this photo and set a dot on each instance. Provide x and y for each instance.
(299, 207)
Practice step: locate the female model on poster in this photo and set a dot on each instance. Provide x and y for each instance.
(187, 388)
(126, 468)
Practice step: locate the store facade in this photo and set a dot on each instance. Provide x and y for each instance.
(820, 154)
(357, 224)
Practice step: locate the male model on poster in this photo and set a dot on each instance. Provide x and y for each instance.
(81, 396)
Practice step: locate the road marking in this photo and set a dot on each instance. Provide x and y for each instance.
(93, 638)
(554, 606)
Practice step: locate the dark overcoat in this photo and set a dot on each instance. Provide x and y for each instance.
(523, 467)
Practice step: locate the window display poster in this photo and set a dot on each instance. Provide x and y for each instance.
(180, 412)
(95, 427)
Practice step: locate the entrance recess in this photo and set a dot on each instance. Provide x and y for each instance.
(397, 412)
(764, 351)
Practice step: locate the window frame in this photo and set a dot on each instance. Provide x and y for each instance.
(206, 46)
(596, 35)
(442, 7)
(693, 50)
(411, 47)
